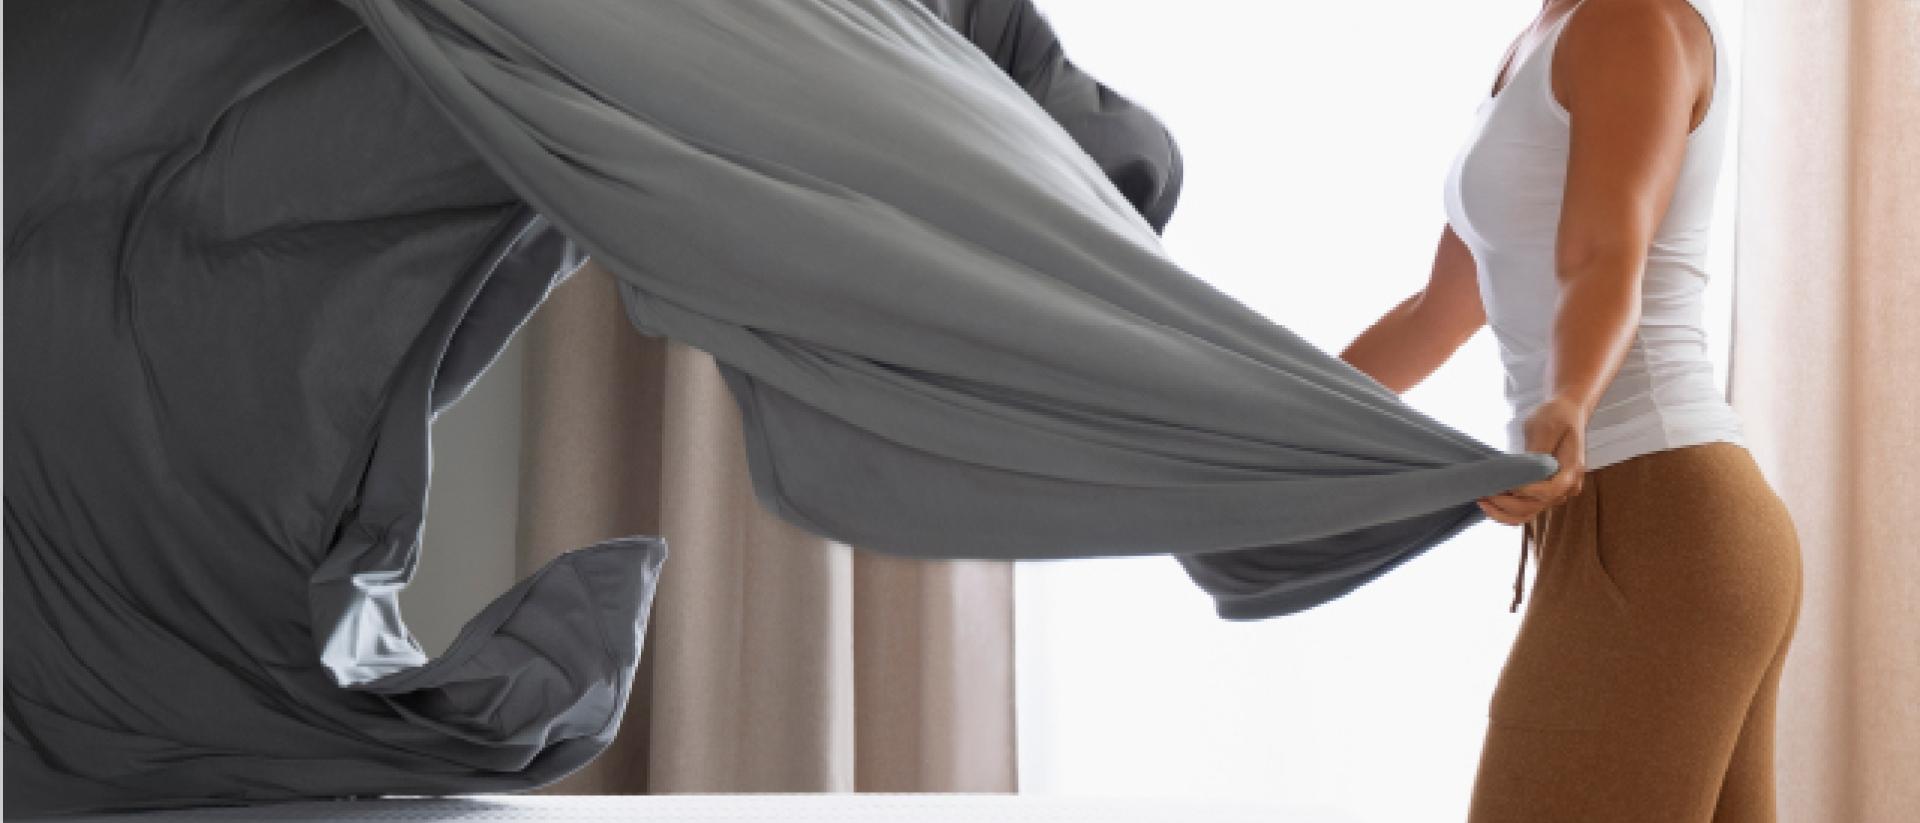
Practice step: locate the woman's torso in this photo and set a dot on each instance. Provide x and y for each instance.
(1503, 197)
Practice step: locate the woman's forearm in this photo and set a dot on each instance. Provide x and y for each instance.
(1414, 338)
(1404, 346)
(1593, 325)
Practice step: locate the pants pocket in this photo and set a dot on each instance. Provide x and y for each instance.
(1594, 549)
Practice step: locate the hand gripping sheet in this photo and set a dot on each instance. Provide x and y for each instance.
(254, 247)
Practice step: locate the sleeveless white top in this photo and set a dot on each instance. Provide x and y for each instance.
(1503, 198)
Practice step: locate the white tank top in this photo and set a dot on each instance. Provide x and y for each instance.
(1503, 198)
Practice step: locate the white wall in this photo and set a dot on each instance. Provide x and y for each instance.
(1317, 138)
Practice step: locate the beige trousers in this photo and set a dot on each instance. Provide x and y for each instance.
(1642, 685)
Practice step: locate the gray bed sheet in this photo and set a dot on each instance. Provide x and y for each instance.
(253, 247)
(949, 333)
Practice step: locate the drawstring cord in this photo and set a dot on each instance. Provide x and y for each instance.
(1526, 534)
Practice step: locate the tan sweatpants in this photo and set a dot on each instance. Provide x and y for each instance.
(1642, 684)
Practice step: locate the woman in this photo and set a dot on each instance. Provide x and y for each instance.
(1642, 684)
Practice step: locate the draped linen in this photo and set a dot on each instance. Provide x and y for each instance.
(949, 334)
(251, 251)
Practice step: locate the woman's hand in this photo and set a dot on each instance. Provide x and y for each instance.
(1557, 427)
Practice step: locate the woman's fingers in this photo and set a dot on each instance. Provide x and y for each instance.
(1522, 503)
(1551, 491)
(1509, 509)
(1539, 491)
(1564, 483)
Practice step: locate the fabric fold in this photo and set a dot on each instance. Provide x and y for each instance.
(254, 248)
(949, 333)
(247, 263)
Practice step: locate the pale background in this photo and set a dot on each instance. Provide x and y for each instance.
(1316, 138)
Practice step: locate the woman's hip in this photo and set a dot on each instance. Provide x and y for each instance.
(1665, 588)
(1696, 529)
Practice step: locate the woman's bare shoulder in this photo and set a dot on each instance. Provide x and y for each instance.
(1637, 27)
(1608, 43)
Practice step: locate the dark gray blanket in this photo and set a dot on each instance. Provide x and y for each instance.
(254, 247)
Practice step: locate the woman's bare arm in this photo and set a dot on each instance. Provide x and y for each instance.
(1414, 338)
(1632, 79)
(1633, 75)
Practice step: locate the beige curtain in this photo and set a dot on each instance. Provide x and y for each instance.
(775, 660)
(1826, 373)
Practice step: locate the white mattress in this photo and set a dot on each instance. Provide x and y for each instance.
(757, 808)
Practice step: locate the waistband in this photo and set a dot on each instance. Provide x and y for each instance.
(1530, 531)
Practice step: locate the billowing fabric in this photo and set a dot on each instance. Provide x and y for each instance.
(246, 262)
(254, 247)
(1129, 145)
(948, 333)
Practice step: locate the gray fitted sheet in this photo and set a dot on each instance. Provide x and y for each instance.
(253, 247)
(949, 333)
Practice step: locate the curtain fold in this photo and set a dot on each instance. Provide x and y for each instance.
(776, 660)
(1824, 349)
